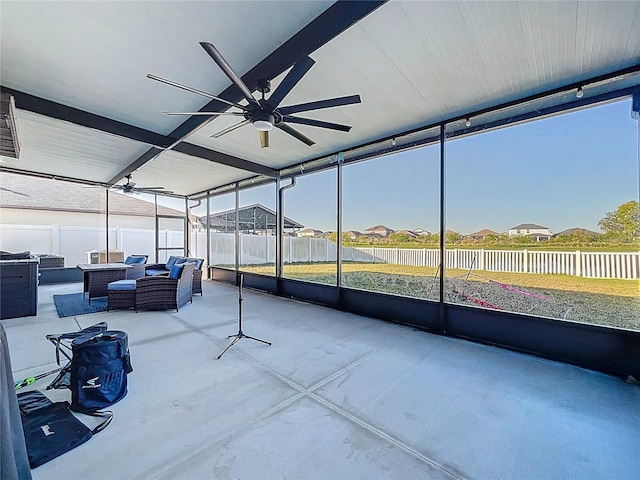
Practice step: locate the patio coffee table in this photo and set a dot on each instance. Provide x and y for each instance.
(98, 275)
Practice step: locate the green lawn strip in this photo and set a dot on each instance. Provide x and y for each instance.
(622, 288)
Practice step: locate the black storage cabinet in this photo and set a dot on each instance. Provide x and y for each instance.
(18, 288)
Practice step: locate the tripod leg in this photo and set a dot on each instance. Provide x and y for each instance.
(257, 339)
(235, 340)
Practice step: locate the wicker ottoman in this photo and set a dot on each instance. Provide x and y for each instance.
(121, 294)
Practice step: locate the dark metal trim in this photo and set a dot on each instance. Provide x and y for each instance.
(443, 229)
(318, 293)
(224, 159)
(329, 24)
(31, 103)
(584, 102)
(41, 106)
(610, 350)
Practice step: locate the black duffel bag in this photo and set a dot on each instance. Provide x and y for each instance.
(99, 367)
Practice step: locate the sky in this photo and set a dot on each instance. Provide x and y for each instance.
(561, 172)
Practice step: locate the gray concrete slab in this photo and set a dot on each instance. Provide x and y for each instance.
(335, 396)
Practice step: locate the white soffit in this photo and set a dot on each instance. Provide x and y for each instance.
(95, 55)
(413, 63)
(418, 63)
(184, 174)
(64, 149)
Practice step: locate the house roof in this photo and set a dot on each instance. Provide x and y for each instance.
(225, 217)
(407, 232)
(483, 233)
(524, 226)
(33, 193)
(573, 231)
(97, 116)
(379, 227)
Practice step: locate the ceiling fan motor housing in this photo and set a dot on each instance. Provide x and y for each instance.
(262, 120)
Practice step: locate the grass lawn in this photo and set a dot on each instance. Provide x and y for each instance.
(597, 301)
(622, 288)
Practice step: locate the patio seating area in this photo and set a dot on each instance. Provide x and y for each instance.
(336, 396)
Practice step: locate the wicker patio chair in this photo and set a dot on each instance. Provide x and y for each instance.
(197, 282)
(161, 292)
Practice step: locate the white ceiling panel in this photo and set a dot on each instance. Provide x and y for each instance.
(64, 149)
(184, 174)
(95, 55)
(412, 63)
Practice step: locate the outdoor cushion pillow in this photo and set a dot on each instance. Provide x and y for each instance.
(197, 261)
(176, 271)
(122, 285)
(171, 262)
(132, 260)
(155, 271)
(14, 256)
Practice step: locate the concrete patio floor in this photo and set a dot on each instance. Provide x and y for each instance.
(337, 396)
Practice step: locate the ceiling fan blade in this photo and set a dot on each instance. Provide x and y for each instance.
(230, 129)
(204, 113)
(153, 190)
(194, 90)
(294, 133)
(331, 102)
(226, 68)
(316, 123)
(16, 192)
(300, 68)
(264, 139)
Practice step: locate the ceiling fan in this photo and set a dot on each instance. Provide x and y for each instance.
(130, 187)
(266, 113)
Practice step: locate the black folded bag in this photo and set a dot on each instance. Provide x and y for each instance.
(50, 429)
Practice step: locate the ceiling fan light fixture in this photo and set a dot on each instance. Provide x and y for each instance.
(262, 125)
(262, 121)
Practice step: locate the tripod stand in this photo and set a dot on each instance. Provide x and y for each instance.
(240, 335)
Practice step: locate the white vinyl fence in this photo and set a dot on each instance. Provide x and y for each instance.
(622, 265)
(73, 242)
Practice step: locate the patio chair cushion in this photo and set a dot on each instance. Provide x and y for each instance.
(135, 259)
(176, 271)
(171, 262)
(156, 271)
(197, 261)
(14, 256)
(122, 285)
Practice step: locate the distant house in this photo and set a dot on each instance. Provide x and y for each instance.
(530, 229)
(26, 200)
(379, 230)
(482, 234)
(408, 233)
(309, 232)
(421, 232)
(577, 231)
(352, 234)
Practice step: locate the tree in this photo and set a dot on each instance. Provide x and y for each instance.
(623, 224)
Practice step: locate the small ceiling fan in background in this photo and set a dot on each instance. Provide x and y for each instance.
(266, 113)
(130, 187)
